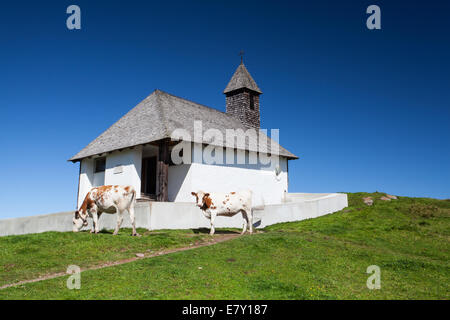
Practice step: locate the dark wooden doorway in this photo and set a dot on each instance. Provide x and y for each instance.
(148, 182)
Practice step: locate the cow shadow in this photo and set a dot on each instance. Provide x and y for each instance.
(106, 231)
(218, 231)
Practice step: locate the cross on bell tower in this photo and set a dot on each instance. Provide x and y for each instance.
(241, 53)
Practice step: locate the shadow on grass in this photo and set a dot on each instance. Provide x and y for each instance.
(101, 231)
(121, 231)
(106, 231)
(207, 230)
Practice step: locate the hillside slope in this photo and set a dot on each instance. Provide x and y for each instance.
(322, 258)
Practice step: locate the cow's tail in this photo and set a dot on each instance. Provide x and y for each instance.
(133, 198)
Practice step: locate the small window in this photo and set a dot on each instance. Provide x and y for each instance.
(100, 165)
(252, 103)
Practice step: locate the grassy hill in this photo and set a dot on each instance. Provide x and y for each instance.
(322, 258)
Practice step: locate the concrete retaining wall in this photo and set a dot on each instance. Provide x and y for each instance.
(179, 215)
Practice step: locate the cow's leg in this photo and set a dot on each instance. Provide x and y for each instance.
(212, 218)
(98, 221)
(250, 220)
(133, 220)
(245, 217)
(119, 221)
(95, 221)
(93, 225)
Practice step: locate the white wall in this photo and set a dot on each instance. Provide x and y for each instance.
(86, 179)
(63, 222)
(260, 178)
(122, 168)
(125, 168)
(180, 182)
(187, 216)
(166, 215)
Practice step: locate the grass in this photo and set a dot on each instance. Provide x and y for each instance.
(30, 256)
(322, 258)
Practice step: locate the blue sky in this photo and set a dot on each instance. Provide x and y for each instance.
(364, 109)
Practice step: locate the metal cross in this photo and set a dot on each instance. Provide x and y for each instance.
(241, 53)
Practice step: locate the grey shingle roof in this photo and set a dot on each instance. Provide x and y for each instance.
(156, 117)
(242, 79)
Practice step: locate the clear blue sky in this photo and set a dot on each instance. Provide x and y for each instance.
(365, 110)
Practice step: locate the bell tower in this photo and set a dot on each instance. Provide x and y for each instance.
(242, 98)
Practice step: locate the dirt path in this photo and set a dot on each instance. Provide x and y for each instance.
(216, 239)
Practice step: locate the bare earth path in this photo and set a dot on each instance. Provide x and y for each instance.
(214, 240)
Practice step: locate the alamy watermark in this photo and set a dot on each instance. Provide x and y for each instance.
(374, 20)
(234, 146)
(374, 281)
(74, 20)
(74, 281)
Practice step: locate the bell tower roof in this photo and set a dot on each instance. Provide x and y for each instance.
(242, 79)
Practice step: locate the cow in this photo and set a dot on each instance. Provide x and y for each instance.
(106, 199)
(215, 204)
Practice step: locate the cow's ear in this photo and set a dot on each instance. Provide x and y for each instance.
(206, 194)
(193, 193)
(77, 215)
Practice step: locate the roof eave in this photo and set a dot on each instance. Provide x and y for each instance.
(226, 91)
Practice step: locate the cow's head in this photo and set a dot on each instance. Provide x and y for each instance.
(202, 199)
(79, 220)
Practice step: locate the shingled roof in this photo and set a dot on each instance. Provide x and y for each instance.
(241, 79)
(156, 117)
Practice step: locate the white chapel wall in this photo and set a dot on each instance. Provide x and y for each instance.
(267, 186)
(86, 179)
(180, 183)
(124, 168)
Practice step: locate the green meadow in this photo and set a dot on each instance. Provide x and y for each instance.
(322, 258)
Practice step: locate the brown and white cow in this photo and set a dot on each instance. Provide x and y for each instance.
(106, 199)
(215, 204)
